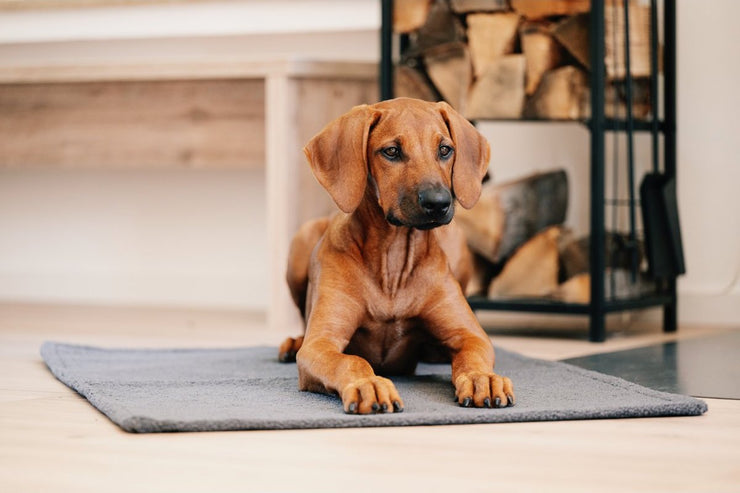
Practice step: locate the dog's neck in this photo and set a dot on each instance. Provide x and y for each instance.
(392, 252)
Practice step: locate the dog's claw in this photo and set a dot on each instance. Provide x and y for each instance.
(483, 390)
(287, 358)
(289, 349)
(370, 395)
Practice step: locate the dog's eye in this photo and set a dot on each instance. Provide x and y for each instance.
(445, 151)
(392, 152)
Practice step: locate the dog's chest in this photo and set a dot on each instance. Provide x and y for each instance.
(391, 347)
(394, 306)
(391, 333)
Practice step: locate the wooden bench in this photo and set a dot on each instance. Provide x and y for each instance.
(185, 112)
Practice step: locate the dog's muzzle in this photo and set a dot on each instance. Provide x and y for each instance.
(435, 202)
(432, 208)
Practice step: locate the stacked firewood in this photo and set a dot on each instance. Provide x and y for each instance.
(523, 249)
(510, 59)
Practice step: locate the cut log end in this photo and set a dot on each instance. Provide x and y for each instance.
(466, 6)
(509, 214)
(499, 91)
(411, 83)
(533, 269)
(449, 68)
(540, 9)
(563, 94)
(541, 52)
(410, 15)
(491, 36)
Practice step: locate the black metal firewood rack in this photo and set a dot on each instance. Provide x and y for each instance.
(598, 124)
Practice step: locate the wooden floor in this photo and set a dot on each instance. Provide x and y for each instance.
(52, 440)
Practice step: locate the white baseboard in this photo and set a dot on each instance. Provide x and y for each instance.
(709, 309)
(128, 290)
(694, 308)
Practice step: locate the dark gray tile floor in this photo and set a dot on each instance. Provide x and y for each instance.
(705, 367)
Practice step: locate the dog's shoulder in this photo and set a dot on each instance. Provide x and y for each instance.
(340, 235)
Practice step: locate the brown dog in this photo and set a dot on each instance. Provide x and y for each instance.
(381, 286)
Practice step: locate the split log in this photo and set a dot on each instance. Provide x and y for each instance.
(639, 39)
(574, 254)
(539, 9)
(574, 269)
(572, 33)
(529, 271)
(411, 83)
(577, 289)
(442, 27)
(531, 204)
(449, 68)
(615, 104)
(484, 224)
(490, 36)
(541, 52)
(509, 214)
(617, 285)
(465, 6)
(563, 94)
(499, 91)
(410, 15)
(532, 270)
(615, 99)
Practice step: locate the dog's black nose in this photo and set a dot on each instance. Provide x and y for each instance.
(435, 201)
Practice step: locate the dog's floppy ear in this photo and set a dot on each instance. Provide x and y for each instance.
(472, 153)
(338, 156)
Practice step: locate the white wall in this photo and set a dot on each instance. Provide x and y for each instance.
(179, 19)
(133, 237)
(708, 162)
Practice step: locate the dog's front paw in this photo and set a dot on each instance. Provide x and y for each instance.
(371, 395)
(482, 389)
(289, 349)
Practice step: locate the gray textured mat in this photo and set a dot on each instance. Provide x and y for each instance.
(247, 389)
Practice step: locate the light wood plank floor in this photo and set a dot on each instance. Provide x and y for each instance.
(52, 440)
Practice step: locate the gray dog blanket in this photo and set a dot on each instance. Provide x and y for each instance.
(157, 390)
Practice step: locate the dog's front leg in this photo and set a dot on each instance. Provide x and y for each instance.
(453, 323)
(323, 367)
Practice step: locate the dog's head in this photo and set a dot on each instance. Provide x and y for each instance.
(418, 156)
